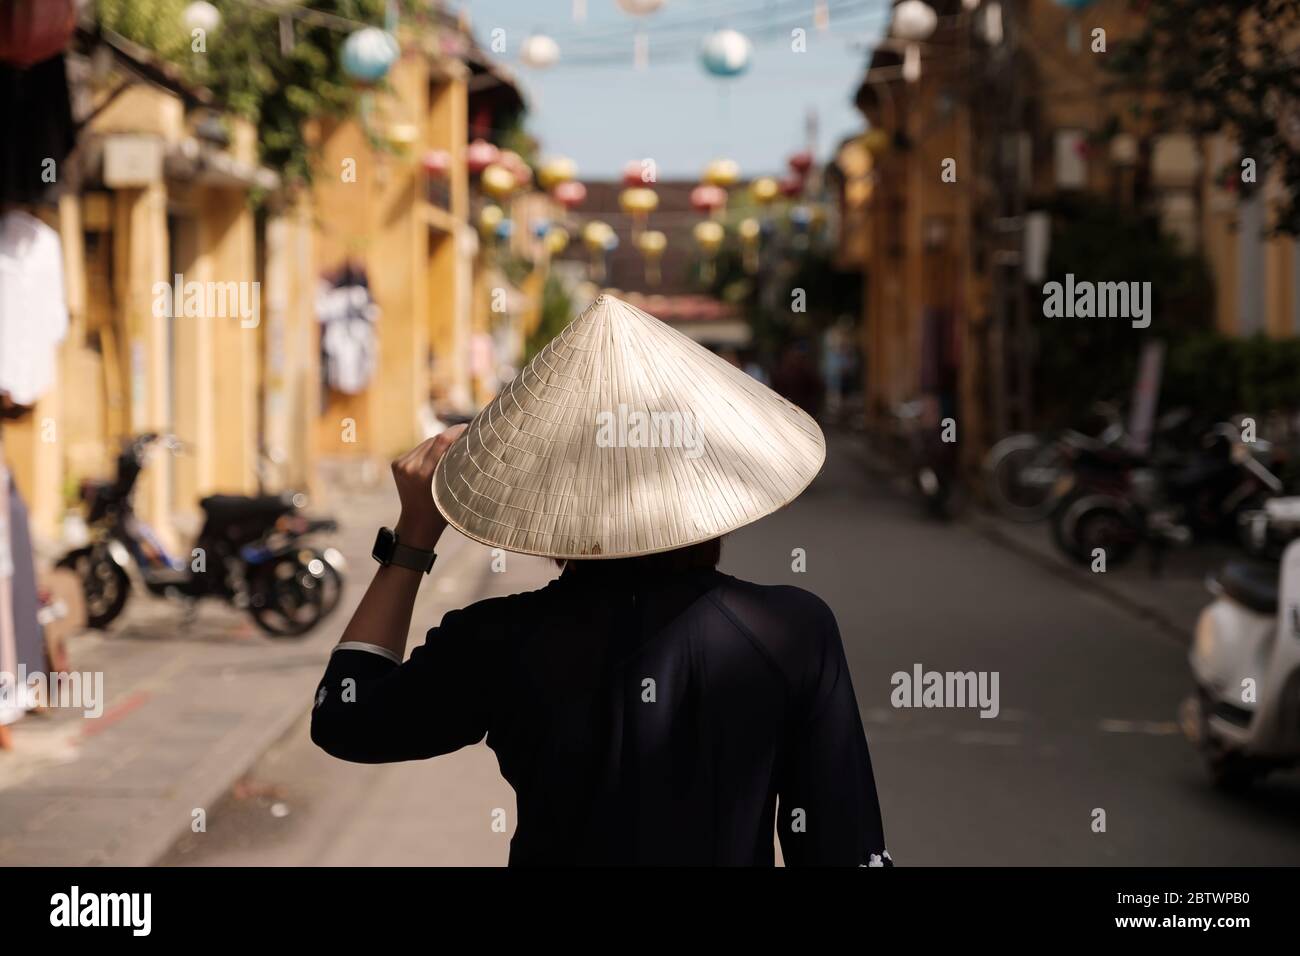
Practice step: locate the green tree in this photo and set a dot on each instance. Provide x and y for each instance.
(1231, 66)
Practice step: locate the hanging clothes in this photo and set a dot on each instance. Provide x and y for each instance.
(33, 310)
(22, 648)
(347, 314)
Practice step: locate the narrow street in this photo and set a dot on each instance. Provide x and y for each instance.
(1087, 721)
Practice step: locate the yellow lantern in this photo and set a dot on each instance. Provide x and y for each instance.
(764, 190)
(557, 240)
(708, 236)
(559, 169)
(489, 218)
(652, 244)
(638, 202)
(497, 181)
(855, 158)
(599, 238)
(750, 233)
(876, 140)
(722, 172)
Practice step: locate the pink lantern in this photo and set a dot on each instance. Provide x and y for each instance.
(801, 162)
(632, 174)
(437, 163)
(708, 198)
(569, 194)
(479, 155)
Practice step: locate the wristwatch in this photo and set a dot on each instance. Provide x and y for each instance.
(388, 550)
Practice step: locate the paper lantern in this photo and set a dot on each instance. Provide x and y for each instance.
(639, 201)
(201, 15)
(570, 194)
(489, 218)
(639, 8)
(633, 173)
(726, 53)
(652, 244)
(32, 32)
(764, 190)
(436, 163)
(722, 172)
(505, 229)
(914, 21)
(556, 170)
(791, 186)
(368, 54)
(750, 232)
(557, 240)
(540, 228)
(497, 181)
(599, 238)
(708, 198)
(876, 140)
(516, 166)
(539, 52)
(801, 162)
(479, 155)
(708, 235)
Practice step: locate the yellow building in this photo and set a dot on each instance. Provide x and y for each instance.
(158, 203)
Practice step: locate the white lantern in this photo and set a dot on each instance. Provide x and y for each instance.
(914, 21)
(911, 63)
(201, 15)
(539, 51)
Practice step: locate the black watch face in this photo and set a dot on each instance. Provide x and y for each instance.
(385, 541)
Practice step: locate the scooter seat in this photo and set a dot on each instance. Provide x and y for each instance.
(1253, 585)
(228, 508)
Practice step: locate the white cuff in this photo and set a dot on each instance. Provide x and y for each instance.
(372, 648)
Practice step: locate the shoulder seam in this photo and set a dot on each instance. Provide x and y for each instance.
(753, 639)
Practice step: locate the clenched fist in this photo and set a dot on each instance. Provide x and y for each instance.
(421, 524)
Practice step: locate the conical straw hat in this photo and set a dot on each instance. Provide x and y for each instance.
(623, 437)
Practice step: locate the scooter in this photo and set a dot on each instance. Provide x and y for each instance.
(250, 553)
(1245, 714)
(1119, 499)
(931, 462)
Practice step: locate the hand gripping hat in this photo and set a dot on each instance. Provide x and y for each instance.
(623, 437)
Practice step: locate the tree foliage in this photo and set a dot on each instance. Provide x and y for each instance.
(1228, 66)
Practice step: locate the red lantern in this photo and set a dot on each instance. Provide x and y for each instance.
(437, 163)
(632, 175)
(479, 155)
(801, 162)
(569, 194)
(708, 198)
(791, 186)
(35, 30)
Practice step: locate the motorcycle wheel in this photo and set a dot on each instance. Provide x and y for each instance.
(1021, 475)
(104, 583)
(293, 593)
(1078, 530)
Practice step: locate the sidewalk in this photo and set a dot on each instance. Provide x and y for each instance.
(186, 713)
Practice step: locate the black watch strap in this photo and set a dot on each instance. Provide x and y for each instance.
(388, 550)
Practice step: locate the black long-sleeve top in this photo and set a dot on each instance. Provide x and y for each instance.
(655, 721)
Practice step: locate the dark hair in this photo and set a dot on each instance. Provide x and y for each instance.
(694, 557)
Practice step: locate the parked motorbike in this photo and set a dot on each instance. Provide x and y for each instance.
(251, 553)
(932, 462)
(1023, 472)
(1117, 500)
(1244, 716)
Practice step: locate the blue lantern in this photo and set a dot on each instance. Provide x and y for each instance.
(541, 228)
(369, 53)
(611, 241)
(726, 53)
(505, 229)
(800, 217)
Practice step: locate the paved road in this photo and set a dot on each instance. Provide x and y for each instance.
(1088, 696)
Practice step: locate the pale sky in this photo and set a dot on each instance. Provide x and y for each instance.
(594, 107)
